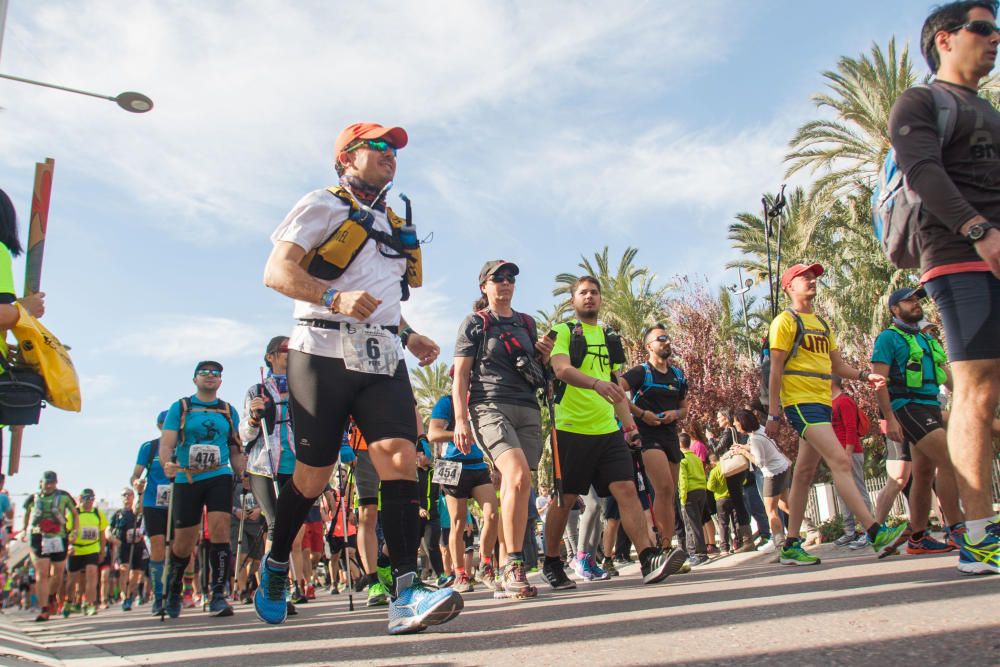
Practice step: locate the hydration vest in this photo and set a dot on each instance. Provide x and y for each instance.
(332, 258)
(524, 361)
(578, 349)
(222, 408)
(46, 513)
(765, 355)
(914, 370)
(673, 390)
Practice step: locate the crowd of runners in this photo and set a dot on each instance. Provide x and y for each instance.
(329, 478)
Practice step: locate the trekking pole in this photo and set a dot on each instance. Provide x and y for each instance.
(131, 551)
(344, 488)
(165, 577)
(204, 563)
(239, 536)
(274, 477)
(556, 468)
(640, 469)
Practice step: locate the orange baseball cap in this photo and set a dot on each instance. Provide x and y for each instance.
(396, 135)
(793, 272)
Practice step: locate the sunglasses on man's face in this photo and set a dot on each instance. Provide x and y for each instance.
(981, 28)
(378, 145)
(503, 278)
(660, 339)
(206, 372)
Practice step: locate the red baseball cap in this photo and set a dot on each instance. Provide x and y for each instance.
(797, 270)
(396, 135)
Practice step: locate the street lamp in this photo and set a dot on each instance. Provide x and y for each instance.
(742, 291)
(130, 100)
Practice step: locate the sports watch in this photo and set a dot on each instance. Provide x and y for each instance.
(978, 230)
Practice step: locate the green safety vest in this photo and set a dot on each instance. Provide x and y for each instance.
(914, 370)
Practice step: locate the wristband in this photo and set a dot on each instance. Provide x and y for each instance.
(629, 429)
(862, 375)
(774, 418)
(404, 335)
(328, 294)
(596, 380)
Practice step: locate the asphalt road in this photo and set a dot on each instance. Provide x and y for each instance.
(851, 610)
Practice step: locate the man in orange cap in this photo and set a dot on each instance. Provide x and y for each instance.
(804, 356)
(347, 259)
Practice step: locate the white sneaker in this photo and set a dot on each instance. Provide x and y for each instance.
(860, 543)
(767, 548)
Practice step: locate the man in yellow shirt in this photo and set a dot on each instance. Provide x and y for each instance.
(87, 550)
(804, 356)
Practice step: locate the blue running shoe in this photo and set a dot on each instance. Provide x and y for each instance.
(596, 571)
(270, 600)
(127, 603)
(982, 557)
(418, 607)
(219, 606)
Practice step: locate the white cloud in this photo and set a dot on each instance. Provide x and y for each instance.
(432, 312)
(176, 338)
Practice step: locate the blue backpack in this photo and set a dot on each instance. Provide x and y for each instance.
(647, 382)
(896, 209)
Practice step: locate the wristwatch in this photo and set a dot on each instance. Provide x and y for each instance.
(978, 230)
(774, 418)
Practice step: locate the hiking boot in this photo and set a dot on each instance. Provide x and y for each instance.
(377, 595)
(662, 565)
(417, 607)
(463, 584)
(219, 606)
(888, 540)
(555, 575)
(793, 554)
(845, 539)
(982, 557)
(596, 573)
(513, 583)
(270, 600)
(608, 565)
(927, 545)
(488, 576)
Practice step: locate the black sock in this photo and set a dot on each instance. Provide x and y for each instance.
(383, 558)
(401, 524)
(918, 535)
(219, 556)
(175, 578)
(372, 578)
(872, 532)
(290, 512)
(646, 555)
(554, 561)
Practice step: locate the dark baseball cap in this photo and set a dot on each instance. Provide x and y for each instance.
(494, 265)
(87, 493)
(50, 476)
(208, 364)
(905, 293)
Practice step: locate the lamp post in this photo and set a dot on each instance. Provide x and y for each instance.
(129, 101)
(772, 210)
(742, 288)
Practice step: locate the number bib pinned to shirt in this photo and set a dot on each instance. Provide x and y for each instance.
(369, 349)
(204, 457)
(52, 545)
(88, 534)
(162, 495)
(447, 473)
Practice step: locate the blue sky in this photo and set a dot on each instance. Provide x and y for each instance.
(539, 132)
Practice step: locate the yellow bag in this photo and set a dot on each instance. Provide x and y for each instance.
(41, 350)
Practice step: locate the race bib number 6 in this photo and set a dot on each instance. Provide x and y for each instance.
(446, 473)
(369, 349)
(204, 457)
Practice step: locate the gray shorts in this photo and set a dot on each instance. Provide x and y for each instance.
(504, 426)
(366, 478)
(773, 486)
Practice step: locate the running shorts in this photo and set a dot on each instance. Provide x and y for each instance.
(918, 420)
(77, 563)
(366, 478)
(773, 486)
(214, 494)
(36, 549)
(337, 543)
(133, 558)
(154, 520)
(467, 482)
(598, 460)
(312, 536)
(665, 441)
(803, 415)
(969, 304)
(323, 393)
(897, 451)
(501, 427)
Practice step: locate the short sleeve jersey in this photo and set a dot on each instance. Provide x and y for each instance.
(88, 535)
(494, 376)
(444, 409)
(157, 481)
(7, 293)
(891, 349)
(584, 411)
(812, 356)
(201, 428)
(666, 392)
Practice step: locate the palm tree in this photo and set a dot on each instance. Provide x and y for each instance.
(630, 300)
(429, 384)
(849, 149)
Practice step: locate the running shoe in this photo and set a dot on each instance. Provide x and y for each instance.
(334, 590)
(927, 545)
(794, 554)
(712, 550)
(768, 548)
(463, 584)
(845, 539)
(596, 573)
(982, 557)
(173, 601)
(662, 565)
(954, 534)
(555, 575)
(127, 603)
(157, 605)
(608, 565)
(888, 540)
(189, 599)
(290, 610)
(219, 606)
(310, 592)
(445, 580)
(698, 559)
(418, 607)
(685, 566)
(487, 576)
(43, 615)
(298, 597)
(385, 576)
(90, 610)
(581, 570)
(378, 596)
(513, 583)
(270, 600)
(860, 542)
(65, 611)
